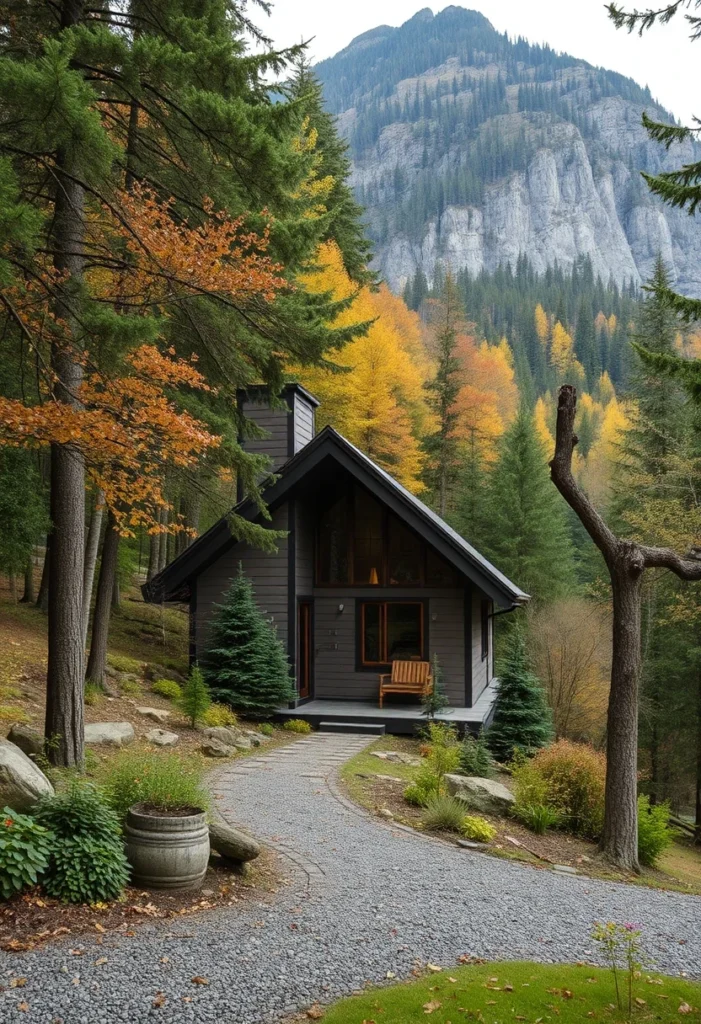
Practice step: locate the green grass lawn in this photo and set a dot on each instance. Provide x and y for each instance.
(506, 992)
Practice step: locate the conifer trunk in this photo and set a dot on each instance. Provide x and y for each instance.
(29, 595)
(91, 548)
(97, 662)
(43, 595)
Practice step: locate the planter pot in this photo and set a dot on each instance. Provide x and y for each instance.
(167, 850)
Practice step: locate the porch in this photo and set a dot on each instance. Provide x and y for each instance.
(399, 718)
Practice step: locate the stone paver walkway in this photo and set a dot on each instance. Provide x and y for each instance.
(366, 898)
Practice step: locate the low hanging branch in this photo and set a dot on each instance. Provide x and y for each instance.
(627, 561)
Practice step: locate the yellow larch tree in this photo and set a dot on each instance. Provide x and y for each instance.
(488, 399)
(542, 325)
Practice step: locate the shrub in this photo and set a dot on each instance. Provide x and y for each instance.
(435, 702)
(121, 663)
(475, 758)
(25, 847)
(266, 729)
(297, 725)
(93, 694)
(575, 777)
(165, 781)
(537, 817)
(195, 699)
(132, 687)
(443, 812)
(417, 795)
(167, 688)
(219, 714)
(654, 831)
(477, 829)
(87, 862)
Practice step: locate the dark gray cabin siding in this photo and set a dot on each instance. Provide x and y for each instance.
(481, 667)
(275, 423)
(304, 550)
(267, 571)
(303, 421)
(335, 639)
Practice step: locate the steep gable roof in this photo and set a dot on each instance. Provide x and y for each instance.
(172, 583)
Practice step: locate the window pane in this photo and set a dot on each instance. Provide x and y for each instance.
(333, 543)
(367, 563)
(438, 572)
(372, 633)
(404, 554)
(404, 623)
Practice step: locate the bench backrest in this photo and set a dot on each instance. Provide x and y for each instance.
(413, 672)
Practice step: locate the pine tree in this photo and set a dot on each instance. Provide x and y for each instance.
(245, 664)
(436, 700)
(528, 538)
(195, 697)
(522, 720)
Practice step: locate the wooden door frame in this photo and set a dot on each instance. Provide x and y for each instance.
(308, 601)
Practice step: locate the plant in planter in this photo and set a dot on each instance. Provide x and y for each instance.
(166, 832)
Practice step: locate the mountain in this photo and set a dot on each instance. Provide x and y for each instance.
(470, 149)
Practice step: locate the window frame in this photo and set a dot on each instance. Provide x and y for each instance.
(485, 619)
(382, 666)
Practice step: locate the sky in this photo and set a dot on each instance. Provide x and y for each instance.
(664, 58)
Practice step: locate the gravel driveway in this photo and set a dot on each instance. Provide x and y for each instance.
(366, 898)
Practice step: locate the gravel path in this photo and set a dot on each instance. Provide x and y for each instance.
(366, 898)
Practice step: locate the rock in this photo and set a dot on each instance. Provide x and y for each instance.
(156, 714)
(232, 844)
(243, 743)
(387, 778)
(469, 844)
(565, 869)
(483, 795)
(22, 783)
(215, 748)
(162, 738)
(256, 738)
(398, 756)
(385, 812)
(29, 741)
(223, 734)
(111, 734)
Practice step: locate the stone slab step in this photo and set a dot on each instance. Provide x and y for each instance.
(364, 728)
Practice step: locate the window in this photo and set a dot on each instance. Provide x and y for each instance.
(334, 525)
(486, 611)
(438, 572)
(368, 539)
(405, 555)
(391, 631)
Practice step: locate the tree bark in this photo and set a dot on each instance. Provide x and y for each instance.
(43, 595)
(163, 541)
(29, 595)
(626, 562)
(116, 593)
(97, 662)
(154, 545)
(91, 548)
(12, 583)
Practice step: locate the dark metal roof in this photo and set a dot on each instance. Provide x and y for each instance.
(172, 583)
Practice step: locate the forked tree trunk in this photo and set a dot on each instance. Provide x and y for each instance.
(626, 562)
(29, 595)
(92, 545)
(97, 662)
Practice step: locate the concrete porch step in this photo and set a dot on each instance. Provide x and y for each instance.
(364, 728)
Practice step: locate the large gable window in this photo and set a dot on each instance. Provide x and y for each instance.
(391, 631)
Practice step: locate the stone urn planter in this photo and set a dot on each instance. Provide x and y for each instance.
(167, 849)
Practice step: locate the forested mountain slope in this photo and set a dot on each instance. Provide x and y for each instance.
(470, 149)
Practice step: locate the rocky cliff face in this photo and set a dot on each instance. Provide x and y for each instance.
(502, 149)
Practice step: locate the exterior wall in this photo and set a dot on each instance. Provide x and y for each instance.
(335, 641)
(304, 427)
(268, 572)
(482, 669)
(275, 423)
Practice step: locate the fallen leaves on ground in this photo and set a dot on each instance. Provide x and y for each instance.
(431, 1005)
(199, 980)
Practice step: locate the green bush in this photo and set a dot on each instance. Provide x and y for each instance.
(93, 694)
(121, 663)
(417, 795)
(167, 688)
(266, 729)
(132, 687)
(297, 725)
(219, 714)
(87, 862)
(195, 699)
(537, 817)
(25, 848)
(475, 759)
(443, 812)
(575, 777)
(477, 829)
(165, 781)
(654, 831)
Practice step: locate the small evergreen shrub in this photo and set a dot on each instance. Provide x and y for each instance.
(219, 714)
(167, 688)
(87, 862)
(266, 729)
(132, 687)
(475, 759)
(435, 702)
(537, 817)
(575, 777)
(195, 699)
(25, 848)
(477, 829)
(165, 781)
(522, 719)
(245, 664)
(654, 831)
(93, 694)
(121, 663)
(297, 725)
(443, 812)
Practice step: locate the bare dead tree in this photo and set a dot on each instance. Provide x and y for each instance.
(626, 561)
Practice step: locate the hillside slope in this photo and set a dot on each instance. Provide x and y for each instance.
(469, 149)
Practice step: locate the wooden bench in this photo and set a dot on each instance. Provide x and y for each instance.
(407, 677)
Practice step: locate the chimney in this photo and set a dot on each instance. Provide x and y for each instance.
(288, 426)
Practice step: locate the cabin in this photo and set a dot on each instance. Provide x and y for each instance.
(365, 576)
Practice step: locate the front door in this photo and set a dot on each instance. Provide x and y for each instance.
(304, 648)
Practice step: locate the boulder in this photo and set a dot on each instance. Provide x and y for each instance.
(243, 743)
(256, 738)
(232, 844)
(156, 714)
(215, 748)
(162, 738)
(27, 739)
(398, 756)
(22, 783)
(111, 734)
(223, 734)
(483, 795)
(155, 671)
